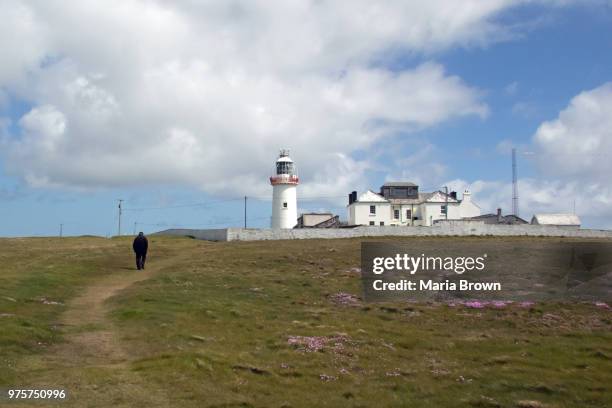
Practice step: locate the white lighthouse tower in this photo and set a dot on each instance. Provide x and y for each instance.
(284, 197)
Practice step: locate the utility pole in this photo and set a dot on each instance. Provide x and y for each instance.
(119, 227)
(245, 212)
(446, 207)
(515, 194)
(61, 230)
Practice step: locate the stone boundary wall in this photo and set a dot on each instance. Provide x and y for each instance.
(204, 234)
(447, 229)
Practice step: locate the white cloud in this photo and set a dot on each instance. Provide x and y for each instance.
(421, 167)
(22, 41)
(204, 94)
(578, 144)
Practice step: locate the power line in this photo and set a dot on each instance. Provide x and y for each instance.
(515, 196)
(215, 223)
(201, 204)
(208, 203)
(446, 203)
(245, 212)
(119, 227)
(269, 198)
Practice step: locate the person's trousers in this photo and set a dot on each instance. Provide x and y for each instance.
(140, 260)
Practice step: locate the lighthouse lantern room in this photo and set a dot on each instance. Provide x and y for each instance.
(284, 197)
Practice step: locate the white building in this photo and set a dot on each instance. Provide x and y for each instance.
(284, 196)
(559, 220)
(403, 204)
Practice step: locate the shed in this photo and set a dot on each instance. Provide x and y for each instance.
(559, 220)
(318, 220)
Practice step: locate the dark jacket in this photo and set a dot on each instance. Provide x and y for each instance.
(140, 244)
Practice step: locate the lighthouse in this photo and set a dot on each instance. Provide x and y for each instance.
(284, 198)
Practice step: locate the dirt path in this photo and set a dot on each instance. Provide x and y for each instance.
(96, 369)
(89, 310)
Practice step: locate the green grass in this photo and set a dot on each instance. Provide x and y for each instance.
(37, 269)
(212, 328)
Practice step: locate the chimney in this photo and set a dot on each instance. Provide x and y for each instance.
(467, 196)
(352, 197)
(499, 216)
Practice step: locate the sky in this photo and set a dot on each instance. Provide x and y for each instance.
(180, 108)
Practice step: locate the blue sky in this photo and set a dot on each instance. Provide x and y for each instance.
(147, 104)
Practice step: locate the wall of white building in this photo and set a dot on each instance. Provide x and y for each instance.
(468, 207)
(427, 213)
(406, 212)
(361, 212)
(432, 212)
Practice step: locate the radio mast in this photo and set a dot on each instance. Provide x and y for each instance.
(515, 194)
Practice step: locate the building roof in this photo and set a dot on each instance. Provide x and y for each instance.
(308, 220)
(399, 184)
(556, 219)
(405, 200)
(435, 197)
(284, 159)
(505, 219)
(421, 199)
(371, 197)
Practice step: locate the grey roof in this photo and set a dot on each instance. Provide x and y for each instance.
(399, 184)
(483, 216)
(405, 200)
(505, 219)
(516, 218)
(422, 198)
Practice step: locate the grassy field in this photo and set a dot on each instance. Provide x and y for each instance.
(272, 324)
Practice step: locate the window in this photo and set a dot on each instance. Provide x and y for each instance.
(382, 223)
(408, 214)
(372, 210)
(371, 222)
(443, 209)
(396, 214)
(285, 204)
(284, 168)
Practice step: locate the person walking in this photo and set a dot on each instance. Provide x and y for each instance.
(140, 246)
